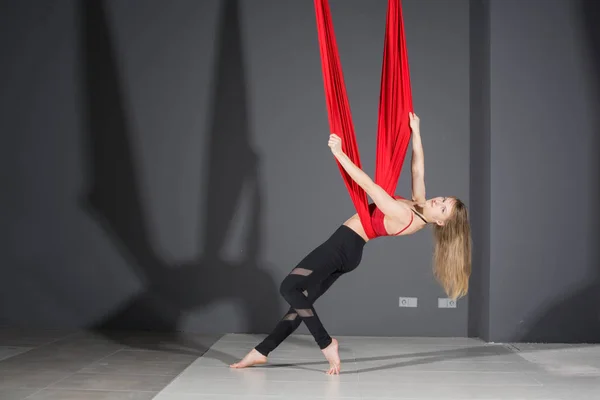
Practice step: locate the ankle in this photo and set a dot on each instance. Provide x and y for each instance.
(323, 345)
(332, 344)
(258, 353)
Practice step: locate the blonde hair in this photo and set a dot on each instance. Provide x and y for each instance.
(452, 254)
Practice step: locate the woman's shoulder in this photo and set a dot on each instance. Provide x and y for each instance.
(404, 200)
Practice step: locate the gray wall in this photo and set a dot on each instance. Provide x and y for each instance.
(543, 272)
(479, 213)
(167, 164)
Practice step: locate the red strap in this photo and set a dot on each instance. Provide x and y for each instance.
(406, 227)
(395, 102)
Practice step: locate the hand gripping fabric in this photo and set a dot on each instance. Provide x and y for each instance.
(395, 103)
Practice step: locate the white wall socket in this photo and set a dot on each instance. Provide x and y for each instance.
(446, 303)
(407, 302)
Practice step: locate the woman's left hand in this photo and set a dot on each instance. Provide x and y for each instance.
(414, 121)
(335, 144)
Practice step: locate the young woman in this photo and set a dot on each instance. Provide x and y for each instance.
(342, 252)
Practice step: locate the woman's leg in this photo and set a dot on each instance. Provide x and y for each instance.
(290, 322)
(307, 276)
(284, 328)
(340, 254)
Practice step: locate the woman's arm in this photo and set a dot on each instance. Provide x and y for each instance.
(386, 203)
(417, 161)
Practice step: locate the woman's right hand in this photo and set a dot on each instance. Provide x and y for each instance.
(335, 144)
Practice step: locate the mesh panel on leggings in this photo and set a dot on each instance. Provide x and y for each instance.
(305, 313)
(301, 271)
(290, 317)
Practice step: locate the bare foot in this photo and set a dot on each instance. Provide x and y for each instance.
(332, 355)
(252, 358)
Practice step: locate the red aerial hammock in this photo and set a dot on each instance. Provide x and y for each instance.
(395, 103)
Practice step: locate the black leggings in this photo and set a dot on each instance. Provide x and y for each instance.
(341, 253)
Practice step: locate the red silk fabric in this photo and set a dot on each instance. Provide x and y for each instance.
(395, 102)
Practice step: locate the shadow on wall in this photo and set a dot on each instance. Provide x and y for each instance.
(576, 319)
(114, 197)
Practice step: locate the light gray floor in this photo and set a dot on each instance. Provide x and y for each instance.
(83, 365)
(394, 368)
(63, 365)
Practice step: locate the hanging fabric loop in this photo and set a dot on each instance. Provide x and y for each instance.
(395, 103)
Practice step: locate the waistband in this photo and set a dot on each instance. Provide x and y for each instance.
(351, 234)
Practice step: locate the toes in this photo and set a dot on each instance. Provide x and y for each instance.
(335, 370)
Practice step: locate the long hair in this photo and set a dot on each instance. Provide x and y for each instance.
(452, 254)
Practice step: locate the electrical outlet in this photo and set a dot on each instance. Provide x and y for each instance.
(446, 303)
(407, 302)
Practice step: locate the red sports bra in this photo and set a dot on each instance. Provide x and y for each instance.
(377, 218)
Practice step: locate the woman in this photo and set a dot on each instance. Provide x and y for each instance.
(342, 252)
